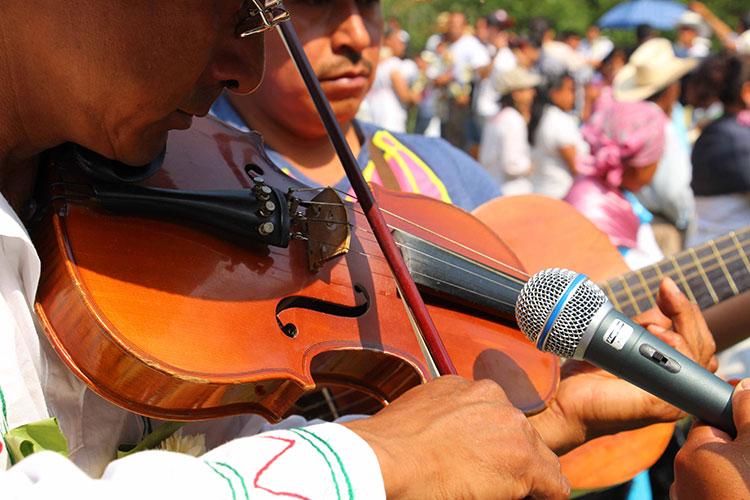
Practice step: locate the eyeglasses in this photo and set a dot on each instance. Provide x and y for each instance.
(262, 15)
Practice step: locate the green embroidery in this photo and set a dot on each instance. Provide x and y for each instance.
(338, 459)
(242, 479)
(229, 481)
(44, 435)
(322, 454)
(4, 410)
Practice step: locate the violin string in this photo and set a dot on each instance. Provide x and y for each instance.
(441, 261)
(457, 243)
(445, 263)
(433, 233)
(449, 240)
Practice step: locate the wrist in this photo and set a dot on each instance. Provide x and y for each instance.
(392, 470)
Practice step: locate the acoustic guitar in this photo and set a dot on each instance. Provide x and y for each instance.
(544, 233)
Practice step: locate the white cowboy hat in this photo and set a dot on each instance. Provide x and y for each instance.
(651, 68)
(516, 79)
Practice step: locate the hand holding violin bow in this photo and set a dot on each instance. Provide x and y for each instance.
(452, 438)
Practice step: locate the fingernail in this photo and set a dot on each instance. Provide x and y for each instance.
(671, 285)
(657, 328)
(744, 384)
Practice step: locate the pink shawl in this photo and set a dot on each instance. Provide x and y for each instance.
(622, 135)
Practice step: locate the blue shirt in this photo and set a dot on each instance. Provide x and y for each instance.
(467, 183)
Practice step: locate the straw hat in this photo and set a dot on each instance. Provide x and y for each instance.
(650, 69)
(516, 79)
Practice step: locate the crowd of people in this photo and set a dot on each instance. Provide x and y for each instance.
(525, 101)
(511, 98)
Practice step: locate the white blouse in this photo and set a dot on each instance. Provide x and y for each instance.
(319, 461)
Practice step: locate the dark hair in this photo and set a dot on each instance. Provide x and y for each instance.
(745, 20)
(542, 100)
(658, 94)
(738, 74)
(644, 32)
(506, 101)
(705, 83)
(538, 27)
(616, 52)
(568, 34)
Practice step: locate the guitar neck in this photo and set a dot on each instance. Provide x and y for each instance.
(708, 274)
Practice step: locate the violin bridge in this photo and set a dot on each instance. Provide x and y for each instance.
(328, 229)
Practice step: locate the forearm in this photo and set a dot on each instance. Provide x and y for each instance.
(323, 461)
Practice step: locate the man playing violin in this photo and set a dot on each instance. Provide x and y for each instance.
(124, 74)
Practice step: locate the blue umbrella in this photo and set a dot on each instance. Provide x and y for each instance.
(660, 14)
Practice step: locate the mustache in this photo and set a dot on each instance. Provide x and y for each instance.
(343, 64)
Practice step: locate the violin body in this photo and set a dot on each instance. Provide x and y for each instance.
(172, 322)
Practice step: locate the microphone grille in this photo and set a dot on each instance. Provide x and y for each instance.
(539, 297)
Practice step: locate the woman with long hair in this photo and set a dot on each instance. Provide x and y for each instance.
(505, 150)
(555, 136)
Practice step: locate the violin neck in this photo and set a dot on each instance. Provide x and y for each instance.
(708, 274)
(444, 274)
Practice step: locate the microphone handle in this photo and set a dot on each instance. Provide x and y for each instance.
(629, 351)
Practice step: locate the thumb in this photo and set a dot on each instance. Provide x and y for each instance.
(741, 409)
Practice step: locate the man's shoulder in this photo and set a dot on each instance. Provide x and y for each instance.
(433, 150)
(724, 128)
(466, 181)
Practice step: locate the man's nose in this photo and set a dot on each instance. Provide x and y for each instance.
(351, 31)
(240, 62)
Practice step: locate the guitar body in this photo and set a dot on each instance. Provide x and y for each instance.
(545, 232)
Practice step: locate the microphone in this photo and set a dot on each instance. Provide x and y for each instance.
(565, 313)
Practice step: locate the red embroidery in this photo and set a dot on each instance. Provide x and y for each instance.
(290, 444)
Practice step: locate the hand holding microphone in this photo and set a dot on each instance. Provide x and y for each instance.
(564, 313)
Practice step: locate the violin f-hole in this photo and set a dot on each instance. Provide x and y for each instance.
(321, 306)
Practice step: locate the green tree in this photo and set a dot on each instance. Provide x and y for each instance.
(418, 16)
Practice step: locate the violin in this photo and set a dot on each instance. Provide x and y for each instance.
(169, 320)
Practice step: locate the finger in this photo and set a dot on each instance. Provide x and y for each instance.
(702, 433)
(672, 339)
(713, 364)
(741, 409)
(687, 319)
(653, 317)
(547, 480)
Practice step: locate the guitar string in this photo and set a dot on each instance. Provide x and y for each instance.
(693, 270)
(643, 292)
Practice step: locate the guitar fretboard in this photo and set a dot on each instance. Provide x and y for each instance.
(707, 274)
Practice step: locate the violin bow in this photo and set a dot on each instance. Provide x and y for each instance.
(420, 316)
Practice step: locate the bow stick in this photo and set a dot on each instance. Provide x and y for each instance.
(426, 329)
